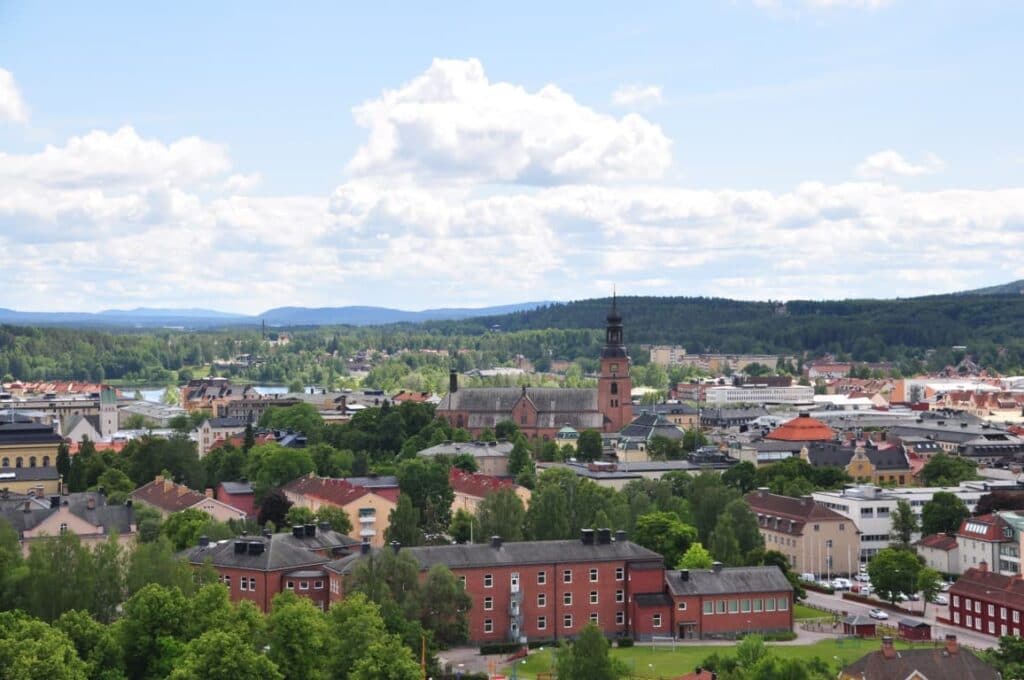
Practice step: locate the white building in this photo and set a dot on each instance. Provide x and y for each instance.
(760, 394)
(871, 507)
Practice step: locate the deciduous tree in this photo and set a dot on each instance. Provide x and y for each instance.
(501, 513)
(942, 514)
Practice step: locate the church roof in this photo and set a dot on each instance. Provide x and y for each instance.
(556, 407)
(802, 429)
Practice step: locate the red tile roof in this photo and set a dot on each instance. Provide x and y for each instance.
(330, 489)
(802, 429)
(477, 485)
(166, 495)
(983, 528)
(938, 542)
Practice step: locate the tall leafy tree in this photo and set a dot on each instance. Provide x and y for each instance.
(548, 516)
(696, 557)
(61, 576)
(893, 572)
(589, 446)
(404, 523)
(223, 655)
(151, 627)
(386, 659)
(354, 624)
(588, 657)
(904, 524)
(724, 545)
(943, 513)
(445, 606)
(665, 534)
(501, 514)
(426, 484)
(297, 636)
(29, 649)
(945, 470)
(109, 581)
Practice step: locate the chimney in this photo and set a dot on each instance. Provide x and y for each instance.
(453, 381)
(324, 526)
(364, 548)
(888, 651)
(604, 536)
(204, 541)
(90, 503)
(496, 542)
(620, 536)
(951, 645)
(684, 575)
(310, 530)
(716, 567)
(983, 566)
(256, 547)
(240, 547)
(396, 546)
(209, 492)
(54, 501)
(587, 536)
(298, 531)
(28, 506)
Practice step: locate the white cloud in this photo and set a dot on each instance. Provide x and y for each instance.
(889, 162)
(117, 218)
(452, 123)
(12, 106)
(637, 95)
(851, 4)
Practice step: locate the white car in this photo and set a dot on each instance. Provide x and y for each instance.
(865, 589)
(945, 586)
(878, 614)
(808, 577)
(940, 599)
(862, 576)
(841, 583)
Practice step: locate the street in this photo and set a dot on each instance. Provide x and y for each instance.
(939, 631)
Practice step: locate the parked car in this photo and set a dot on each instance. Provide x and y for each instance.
(878, 614)
(841, 583)
(862, 576)
(808, 577)
(901, 597)
(940, 599)
(865, 589)
(945, 586)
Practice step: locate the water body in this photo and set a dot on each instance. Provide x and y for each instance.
(157, 393)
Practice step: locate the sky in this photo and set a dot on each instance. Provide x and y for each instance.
(247, 155)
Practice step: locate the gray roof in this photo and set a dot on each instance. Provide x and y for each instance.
(475, 449)
(520, 553)
(855, 620)
(280, 551)
(932, 663)
(73, 422)
(109, 517)
(28, 433)
(649, 425)
(833, 455)
(27, 474)
(237, 487)
(488, 406)
(229, 422)
(374, 481)
(728, 580)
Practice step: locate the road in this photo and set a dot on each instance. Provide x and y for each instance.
(939, 630)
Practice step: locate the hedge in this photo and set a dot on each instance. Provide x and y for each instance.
(500, 648)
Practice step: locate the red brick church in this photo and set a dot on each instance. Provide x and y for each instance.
(540, 412)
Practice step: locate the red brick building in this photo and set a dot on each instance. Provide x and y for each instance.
(256, 568)
(239, 495)
(987, 602)
(726, 602)
(549, 590)
(542, 412)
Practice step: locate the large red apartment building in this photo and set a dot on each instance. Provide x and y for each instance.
(986, 602)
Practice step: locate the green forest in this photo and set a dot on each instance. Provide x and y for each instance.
(916, 334)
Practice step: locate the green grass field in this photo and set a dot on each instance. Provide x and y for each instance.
(802, 611)
(662, 662)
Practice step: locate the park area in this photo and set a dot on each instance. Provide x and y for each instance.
(664, 661)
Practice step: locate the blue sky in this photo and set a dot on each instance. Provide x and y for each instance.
(237, 156)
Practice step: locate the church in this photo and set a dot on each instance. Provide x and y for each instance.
(540, 412)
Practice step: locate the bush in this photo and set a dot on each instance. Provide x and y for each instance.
(500, 648)
(818, 589)
(780, 636)
(625, 642)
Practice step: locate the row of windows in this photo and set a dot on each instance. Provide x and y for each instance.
(542, 599)
(991, 608)
(757, 604)
(247, 583)
(975, 622)
(542, 577)
(568, 620)
(20, 462)
(304, 585)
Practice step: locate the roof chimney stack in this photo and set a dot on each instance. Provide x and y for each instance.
(453, 381)
(587, 536)
(716, 567)
(620, 536)
(396, 546)
(496, 542)
(888, 651)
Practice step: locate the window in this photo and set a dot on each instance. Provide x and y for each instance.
(757, 604)
(567, 621)
(656, 620)
(542, 623)
(303, 585)
(620, 596)
(32, 461)
(593, 617)
(46, 461)
(18, 462)
(977, 607)
(1016, 616)
(488, 604)
(462, 582)
(828, 544)
(1002, 613)
(6, 462)
(967, 602)
(991, 610)
(842, 526)
(522, 419)
(817, 527)
(970, 620)
(593, 597)
(542, 600)
(593, 575)
(619, 573)
(488, 626)
(992, 627)
(488, 580)
(956, 600)
(542, 578)
(567, 599)
(709, 607)
(769, 604)
(620, 618)
(567, 576)
(227, 582)
(720, 608)
(289, 585)
(318, 585)
(615, 388)
(956, 617)
(734, 606)
(745, 606)
(782, 604)
(514, 581)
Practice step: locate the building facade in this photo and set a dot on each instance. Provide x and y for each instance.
(987, 602)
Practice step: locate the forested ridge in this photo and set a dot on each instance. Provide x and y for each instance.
(915, 333)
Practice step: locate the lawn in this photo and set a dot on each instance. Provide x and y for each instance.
(659, 662)
(802, 611)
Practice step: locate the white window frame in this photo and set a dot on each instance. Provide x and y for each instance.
(542, 623)
(488, 625)
(656, 621)
(620, 618)
(620, 596)
(567, 621)
(567, 576)
(620, 573)
(594, 597)
(593, 575)
(542, 578)
(488, 604)
(567, 599)
(488, 580)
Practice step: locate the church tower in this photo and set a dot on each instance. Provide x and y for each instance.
(614, 384)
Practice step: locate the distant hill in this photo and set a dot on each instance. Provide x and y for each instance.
(1012, 288)
(196, 318)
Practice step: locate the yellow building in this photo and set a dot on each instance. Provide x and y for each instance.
(28, 458)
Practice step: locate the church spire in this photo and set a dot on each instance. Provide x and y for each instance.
(613, 346)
